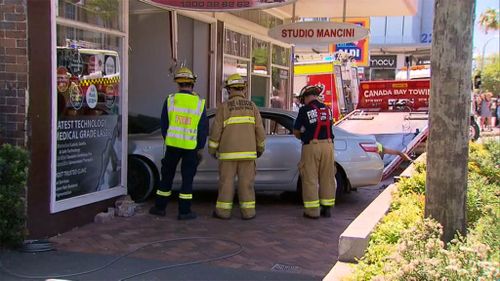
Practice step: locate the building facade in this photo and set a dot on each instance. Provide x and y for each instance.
(399, 42)
(67, 92)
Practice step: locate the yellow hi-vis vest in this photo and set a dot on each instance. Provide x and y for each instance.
(184, 114)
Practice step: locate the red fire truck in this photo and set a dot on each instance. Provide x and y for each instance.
(340, 84)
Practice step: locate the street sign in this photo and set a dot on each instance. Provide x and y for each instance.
(217, 5)
(318, 32)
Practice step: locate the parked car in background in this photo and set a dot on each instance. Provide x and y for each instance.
(356, 158)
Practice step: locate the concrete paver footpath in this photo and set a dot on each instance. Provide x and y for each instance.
(278, 245)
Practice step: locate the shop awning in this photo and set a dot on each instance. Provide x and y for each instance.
(354, 8)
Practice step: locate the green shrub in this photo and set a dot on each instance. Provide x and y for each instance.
(481, 195)
(484, 160)
(13, 174)
(405, 212)
(487, 229)
(412, 185)
(404, 246)
(421, 255)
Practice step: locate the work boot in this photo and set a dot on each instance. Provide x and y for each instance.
(310, 217)
(217, 216)
(157, 212)
(248, 218)
(187, 216)
(326, 211)
(185, 212)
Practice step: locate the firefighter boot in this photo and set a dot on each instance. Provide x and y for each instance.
(326, 211)
(185, 212)
(160, 205)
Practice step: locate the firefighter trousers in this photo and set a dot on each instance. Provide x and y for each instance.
(317, 172)
(169, 164)
(245, 170)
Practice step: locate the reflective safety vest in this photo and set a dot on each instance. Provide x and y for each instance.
(184, 114)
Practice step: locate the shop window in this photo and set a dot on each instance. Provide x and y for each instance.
(260, 57)
(88, 104)
(101, 13)
(236, 44)
(281, 55)
(279, 92)
(260, 90)
(383, 74)
(232, 66)
(259, 17)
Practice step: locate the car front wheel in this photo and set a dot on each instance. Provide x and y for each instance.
(140, 178)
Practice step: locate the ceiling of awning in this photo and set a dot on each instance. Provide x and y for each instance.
(354, 8)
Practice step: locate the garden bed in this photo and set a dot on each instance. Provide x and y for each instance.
(405, 246)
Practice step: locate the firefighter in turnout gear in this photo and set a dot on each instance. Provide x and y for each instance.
(184, 126)
(313, 127)
(237, 138)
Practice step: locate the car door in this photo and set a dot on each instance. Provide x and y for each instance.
(277, 167)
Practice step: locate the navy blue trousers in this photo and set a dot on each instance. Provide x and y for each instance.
(169, 164)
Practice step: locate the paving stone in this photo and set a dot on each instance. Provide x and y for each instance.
(278, 235)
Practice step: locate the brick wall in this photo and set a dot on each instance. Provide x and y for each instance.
(13, 71)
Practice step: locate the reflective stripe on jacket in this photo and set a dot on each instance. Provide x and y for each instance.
(184, 113)
(237, 132)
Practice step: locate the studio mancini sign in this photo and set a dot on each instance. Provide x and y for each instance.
(218, 5)
(318, 32)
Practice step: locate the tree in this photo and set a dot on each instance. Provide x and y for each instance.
(451, 63)
(490, 77)
(488, 20)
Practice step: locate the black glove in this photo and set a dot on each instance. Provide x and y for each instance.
(259, 153)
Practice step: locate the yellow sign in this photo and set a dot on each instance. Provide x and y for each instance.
(357, 49)
(309, 69)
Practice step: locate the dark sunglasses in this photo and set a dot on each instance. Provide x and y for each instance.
(238, 88)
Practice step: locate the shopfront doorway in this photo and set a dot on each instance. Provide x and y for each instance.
(154, 56)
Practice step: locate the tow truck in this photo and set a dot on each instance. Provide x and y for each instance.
(396, 113)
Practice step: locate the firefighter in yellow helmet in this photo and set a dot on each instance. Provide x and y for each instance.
(237, 139)
(313, 127)
(184, 126)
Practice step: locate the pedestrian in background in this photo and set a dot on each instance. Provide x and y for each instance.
(237, 139)
(313, 127)
(497, 110)
(486, 111)
(184, 126)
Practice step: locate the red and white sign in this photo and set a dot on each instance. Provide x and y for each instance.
(395, 95)
(318, 32)
(218, 5)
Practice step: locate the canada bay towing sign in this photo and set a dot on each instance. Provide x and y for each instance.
(318, 32)
(218, 5)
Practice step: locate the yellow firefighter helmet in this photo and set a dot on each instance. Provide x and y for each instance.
(235, 81)
(184, 75)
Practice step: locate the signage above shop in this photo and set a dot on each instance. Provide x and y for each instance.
(383, 61)
(218, 5)
(318, 32)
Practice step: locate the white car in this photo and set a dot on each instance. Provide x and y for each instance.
(356, 159)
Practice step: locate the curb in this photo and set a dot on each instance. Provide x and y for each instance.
(354, 240)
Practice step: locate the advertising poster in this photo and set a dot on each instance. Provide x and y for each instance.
(87, 158)
(88, 136)
(395, 95)
(357, 49)
(218, 5)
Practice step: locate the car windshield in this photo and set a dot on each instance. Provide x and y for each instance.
(142, 124)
